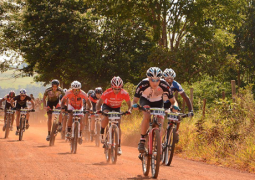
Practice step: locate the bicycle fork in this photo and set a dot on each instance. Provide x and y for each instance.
(77, 123)
(110, 142)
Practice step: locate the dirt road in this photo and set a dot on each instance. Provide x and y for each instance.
(32, 158)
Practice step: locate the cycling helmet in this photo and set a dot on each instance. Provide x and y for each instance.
(116, 82)
(54, 82)
(23, 92)
(12, 93)
(76, 85)
(65, 90)
(154, 72)
(169, 73)
(98, 90)
(91, 91)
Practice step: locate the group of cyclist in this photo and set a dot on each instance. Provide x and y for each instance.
(156, 90)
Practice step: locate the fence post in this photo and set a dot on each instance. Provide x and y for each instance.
(223, 95)
(233, 87)
(204, 103)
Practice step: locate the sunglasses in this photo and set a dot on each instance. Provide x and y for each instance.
(117, 89)
(76, 90)
(154, 80)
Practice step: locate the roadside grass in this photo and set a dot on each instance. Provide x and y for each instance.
(224, 137)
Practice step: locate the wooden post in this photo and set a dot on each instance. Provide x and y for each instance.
(191, 96)
(233, 86)
(223, 95)
(204, 103)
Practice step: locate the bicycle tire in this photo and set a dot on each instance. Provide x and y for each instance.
(97, 136)
(164, 147)
(170, 145)
(63, 127)
(52, 134)
(7, 126)
(115, 145)
(146, 158)
(21, 124)
(75, 140)
(156, 153)
(107, 151)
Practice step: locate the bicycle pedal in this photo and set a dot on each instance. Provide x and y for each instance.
(140, 156)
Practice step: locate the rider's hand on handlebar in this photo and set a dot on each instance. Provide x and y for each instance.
(135, 106)
(99, 112)
(32, 110)
(128, 112)
(191, 113)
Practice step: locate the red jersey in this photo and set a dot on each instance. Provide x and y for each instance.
(115, 100)
(75, 100)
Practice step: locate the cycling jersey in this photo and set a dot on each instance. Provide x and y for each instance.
(114, 100)
(21, 103)
(54, 96)
(143, 89)
(175, 86)
(75, 100)
(8, 101)
(93, 98)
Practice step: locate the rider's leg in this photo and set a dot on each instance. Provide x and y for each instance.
(17, 121)
(49, 122)
(92, 124)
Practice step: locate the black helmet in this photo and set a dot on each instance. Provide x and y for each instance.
(98, 90)
(91, 92)
(54, 82)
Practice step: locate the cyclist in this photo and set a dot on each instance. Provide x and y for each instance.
(53, 94)
(94, 97)
(111, 100)
(75, 96)
(7, 98)
(91, 91)
(21, 103)
(169, 76)
(150, 91)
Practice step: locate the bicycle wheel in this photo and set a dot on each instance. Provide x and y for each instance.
(7, 126)
(75, 139)
(97, 135)
(63, 127)
(146, 158)
(52, 134)
(21, 128)
(164, 142)
(107, 150)
(156, 152)
(170, 145)
(115, 145)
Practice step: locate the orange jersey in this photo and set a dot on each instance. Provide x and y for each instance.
(115, 100)
(75, 100)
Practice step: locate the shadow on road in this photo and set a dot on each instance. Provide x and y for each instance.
(65, 153)
(13, 141)
(140, 177)
(102, 164)
(43, 146)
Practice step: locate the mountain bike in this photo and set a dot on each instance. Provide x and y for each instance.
(111, 140)
(86, 130)
(75, 133)
(151, 157)
(64, 124)
(54, 127)
(8, 121)
(22, 121)
(169, 138)
(97, 129)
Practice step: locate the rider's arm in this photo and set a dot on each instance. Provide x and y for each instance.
(88, 104)
(99, 103)
(187, 100)
(12, 102)
(1, 102)
(44, 101)
(129, 105)
(63, 101)
(135, 100)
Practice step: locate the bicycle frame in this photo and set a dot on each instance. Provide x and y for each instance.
(114, 118)
(155, 113)
(76, 120)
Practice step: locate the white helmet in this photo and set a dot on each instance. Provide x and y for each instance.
(169, 73)
(116, 82)
(76, 85)
(154, 72)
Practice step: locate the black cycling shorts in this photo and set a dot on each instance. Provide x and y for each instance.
(51, 104)
(106, 107)
(156, 104)
(7, 106)
(167, 105)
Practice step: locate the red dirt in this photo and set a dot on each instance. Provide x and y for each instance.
(32, 158)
